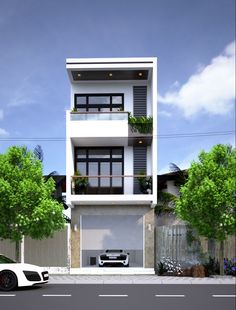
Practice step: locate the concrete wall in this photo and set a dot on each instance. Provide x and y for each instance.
(50, 252)
(7, 248)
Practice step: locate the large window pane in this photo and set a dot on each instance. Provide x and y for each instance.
(81, 167)
(99, 100)
(81, 100)
(117, 170)
(105, 170)
(117, 99)
(93, 171)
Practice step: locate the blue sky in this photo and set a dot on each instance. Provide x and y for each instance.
(194, 42)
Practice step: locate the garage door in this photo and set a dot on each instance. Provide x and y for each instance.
(101, 232)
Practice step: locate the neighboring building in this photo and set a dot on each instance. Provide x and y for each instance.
(111, 168)
(169, 183)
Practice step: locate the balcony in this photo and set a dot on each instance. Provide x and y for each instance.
(111, 185)
(108, 128)
(97, 128)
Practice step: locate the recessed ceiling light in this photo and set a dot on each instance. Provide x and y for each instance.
(140, 142)
(140, 74)
(110, 74)
(79, 75)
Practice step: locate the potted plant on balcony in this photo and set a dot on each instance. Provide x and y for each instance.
(141, 124)
(145, 183)
(80, 183)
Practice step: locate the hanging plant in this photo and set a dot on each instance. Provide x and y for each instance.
(141, 124)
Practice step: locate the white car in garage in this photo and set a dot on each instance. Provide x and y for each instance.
(13, 275)
(113, 257)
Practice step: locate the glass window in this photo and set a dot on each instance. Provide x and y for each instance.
(105, 170)
(81, 167)
(116, 153)
(117, 170)
(117, 99)
(6, 260)
(81, 100)
(101, 165)
(93, 171)
(99, 153)
(99, 99)
(81, 153)
(100, 103)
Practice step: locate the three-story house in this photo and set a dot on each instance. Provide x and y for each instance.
(111, 159)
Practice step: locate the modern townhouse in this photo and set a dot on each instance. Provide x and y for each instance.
(111, 160)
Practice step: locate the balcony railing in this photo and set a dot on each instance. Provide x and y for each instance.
(99, 116)
(111, 184)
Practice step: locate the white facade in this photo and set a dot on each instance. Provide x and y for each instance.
(89, 127)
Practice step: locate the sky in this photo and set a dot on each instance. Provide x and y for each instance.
(194, 42)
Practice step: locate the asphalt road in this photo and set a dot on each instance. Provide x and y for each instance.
(122, 297)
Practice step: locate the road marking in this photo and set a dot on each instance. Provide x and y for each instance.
(170, 295)
(56, 295)
(7, 295)
(113, 295)
(232, 296)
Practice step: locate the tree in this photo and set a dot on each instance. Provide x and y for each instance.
(207, 199)
(38, 152)
(27, 207)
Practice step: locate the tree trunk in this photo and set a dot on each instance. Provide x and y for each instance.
(221, 258)
(17, 251)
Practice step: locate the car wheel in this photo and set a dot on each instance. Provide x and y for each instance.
(8, 280)
(127, 265)
(100, 265)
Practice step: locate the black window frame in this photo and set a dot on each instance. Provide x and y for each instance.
(110, 189)
(109, 105)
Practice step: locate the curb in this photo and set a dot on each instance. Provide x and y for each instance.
(64, 279)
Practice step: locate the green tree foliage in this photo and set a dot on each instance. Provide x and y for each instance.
(27, 207)
(207, 199)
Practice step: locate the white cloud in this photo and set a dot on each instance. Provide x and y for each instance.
(3, 133)
(211, 89)
(26, 93)
(164, 113)
(1, 114)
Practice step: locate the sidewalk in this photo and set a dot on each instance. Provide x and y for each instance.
(136, 279)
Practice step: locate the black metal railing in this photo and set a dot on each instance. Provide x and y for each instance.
(111, 184)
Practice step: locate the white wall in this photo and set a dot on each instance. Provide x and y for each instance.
(171, 188)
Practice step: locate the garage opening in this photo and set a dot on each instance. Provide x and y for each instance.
(102, 232)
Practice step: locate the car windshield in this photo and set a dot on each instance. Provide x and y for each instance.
(114, 251)
(6, 260)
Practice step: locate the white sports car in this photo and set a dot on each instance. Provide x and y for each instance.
(14, 274)
(114, 257)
